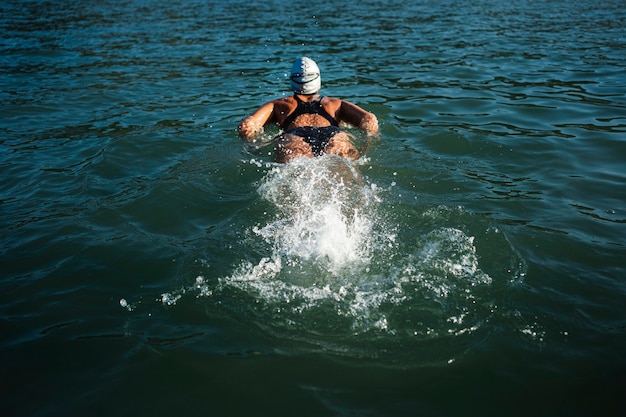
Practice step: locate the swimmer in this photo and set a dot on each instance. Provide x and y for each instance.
(309, 122)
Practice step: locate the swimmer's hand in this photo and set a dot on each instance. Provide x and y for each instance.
(369, 124)
(249, 129)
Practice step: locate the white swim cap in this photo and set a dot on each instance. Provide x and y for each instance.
(305, 76)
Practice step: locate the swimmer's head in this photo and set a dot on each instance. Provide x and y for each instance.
(305, 76)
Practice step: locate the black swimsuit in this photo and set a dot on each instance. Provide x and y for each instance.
(308, 107)
(317, 137)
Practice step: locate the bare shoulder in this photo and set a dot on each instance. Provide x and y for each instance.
(276, 106)
(283, 106)
(283, 100)
(331, 100)
(331, 104)
(339, 104)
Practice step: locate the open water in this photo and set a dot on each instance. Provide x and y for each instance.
(473, 263)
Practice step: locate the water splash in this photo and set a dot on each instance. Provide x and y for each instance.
(324, 213)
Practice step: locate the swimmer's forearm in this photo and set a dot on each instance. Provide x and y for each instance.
(369, 124)
(252, 126)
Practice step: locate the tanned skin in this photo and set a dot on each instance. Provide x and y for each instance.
(290, 146)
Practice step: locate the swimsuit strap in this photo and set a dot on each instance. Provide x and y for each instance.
(308, 107)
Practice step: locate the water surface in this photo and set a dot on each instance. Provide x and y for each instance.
(472, 263)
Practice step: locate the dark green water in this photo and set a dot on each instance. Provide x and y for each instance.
(472, 264)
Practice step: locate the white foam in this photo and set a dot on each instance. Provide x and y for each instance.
(323, 212)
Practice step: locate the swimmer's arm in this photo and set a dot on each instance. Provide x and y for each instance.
(356, 116)
(252, 126)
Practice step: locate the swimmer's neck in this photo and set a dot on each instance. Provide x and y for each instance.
(307, 97)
